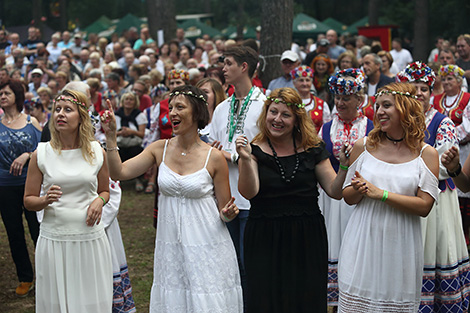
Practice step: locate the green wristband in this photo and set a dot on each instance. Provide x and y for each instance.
(344, 168)
(104, 201)
(385, 196)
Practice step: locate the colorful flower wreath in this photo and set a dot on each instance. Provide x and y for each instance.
(417, 72)
(302, 71)
(451, 69)
(178, 74)
(340, 85)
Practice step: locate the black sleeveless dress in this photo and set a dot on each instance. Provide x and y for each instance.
(286, 245)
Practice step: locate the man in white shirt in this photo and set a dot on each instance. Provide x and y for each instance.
(233, 117)
(401, 57)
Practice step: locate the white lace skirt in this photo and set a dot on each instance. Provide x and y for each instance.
(196, 267)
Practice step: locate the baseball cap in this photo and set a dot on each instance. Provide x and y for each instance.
(37, 71)
(323, 42)
(289, 55)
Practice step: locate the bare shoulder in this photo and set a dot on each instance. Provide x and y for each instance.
(156, 149)
(429, 153)
(35, 123)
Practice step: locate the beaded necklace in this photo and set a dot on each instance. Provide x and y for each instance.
(449, 107)
(233, 122)
(281, 168)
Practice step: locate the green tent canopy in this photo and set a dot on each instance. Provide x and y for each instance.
(102, 23)
(306, 26)
(231, 32)
(352, 29)
(127, 22)
(335, 24)
(194, 28)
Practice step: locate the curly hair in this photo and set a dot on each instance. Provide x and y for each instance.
(86, 133)
(411, 114)
(304, 131)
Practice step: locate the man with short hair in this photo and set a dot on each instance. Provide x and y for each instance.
(4, 77)
(375, 79)
(321, 48)
(401, 56)
(233, 117)
(36, 81)
(434, 54)
(32, 41)
(14, 40)
(446, 57)
(77, 45)
(289, 61)
(184, 55)
(463, 48)
(144, 39)
(335, 50)
(183, 41)
(65, 43)
(3, 39)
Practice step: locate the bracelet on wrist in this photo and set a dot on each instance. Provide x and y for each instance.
(456, 172)
(226, 219)
(384, 196)
(112, 149)
(344, 167)
(104, 201)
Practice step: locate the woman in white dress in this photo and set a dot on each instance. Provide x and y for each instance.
(348, 125)
(446, 283)
(73, 259)
(195, 261)
(393, 181)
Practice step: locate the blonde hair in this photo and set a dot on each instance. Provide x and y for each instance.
(132, 95)
(305, 129)
(411, 114)
(86, 133)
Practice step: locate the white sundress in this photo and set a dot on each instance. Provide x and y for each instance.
(381, 259)
(196, 267)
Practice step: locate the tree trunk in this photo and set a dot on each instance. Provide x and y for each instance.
(276, 36)
(421, 30)
(161, 16)
(63, 14)
(37, 15)
(374, 12)
(240, 19)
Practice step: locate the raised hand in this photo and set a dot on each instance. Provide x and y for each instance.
(243, 147)
(229, 211)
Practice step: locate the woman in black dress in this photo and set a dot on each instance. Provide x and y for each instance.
(286, 244)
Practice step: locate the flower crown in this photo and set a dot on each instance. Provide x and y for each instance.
(178, 74)
(277, 100)
(394, 92)
(301, 71)
(73, 100)
(340, 85)
(188, 93)
(417, 72)
(451, 69)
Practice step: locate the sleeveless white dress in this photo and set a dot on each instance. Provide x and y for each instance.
(73, 261)
(196, 267)
(381, 259)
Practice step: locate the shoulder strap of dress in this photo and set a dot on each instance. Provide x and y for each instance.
(422, 149)
(208, 156)
(365, 143)
(164, 150)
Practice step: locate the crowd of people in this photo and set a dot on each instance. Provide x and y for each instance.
(337, 186)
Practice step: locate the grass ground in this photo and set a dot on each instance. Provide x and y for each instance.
(138, 234)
